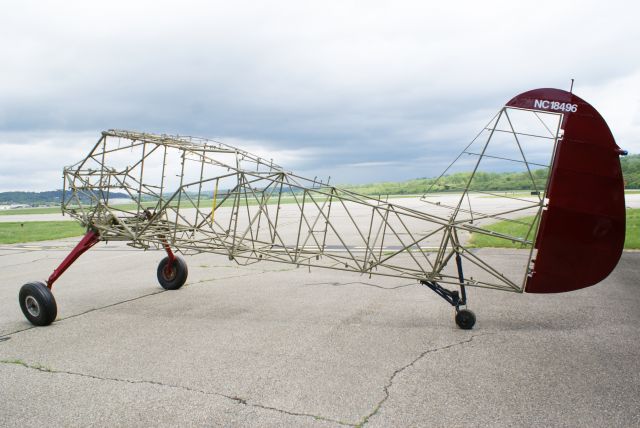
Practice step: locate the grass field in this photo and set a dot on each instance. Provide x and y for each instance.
(505, 227)
(31, 231)
(632, 238)
(23, 211)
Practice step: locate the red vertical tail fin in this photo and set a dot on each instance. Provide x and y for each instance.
(581, 234)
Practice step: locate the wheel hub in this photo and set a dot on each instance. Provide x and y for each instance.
(169, 272)
(32, 305)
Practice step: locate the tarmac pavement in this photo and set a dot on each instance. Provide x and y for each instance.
(272, 345)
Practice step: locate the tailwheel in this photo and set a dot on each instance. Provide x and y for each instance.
(37, 303)
(172, 275)
(465, 319)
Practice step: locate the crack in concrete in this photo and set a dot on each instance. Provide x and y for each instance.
(368, 284)
(389, 383)
(246, 402)
(253, 273)
(6, 336)
(236, 399)
(112, 305)
(218, 278)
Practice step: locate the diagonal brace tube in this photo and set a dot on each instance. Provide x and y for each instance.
(90, 239)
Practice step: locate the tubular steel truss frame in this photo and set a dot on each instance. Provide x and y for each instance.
(245, 220)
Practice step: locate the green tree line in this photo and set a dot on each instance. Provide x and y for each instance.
(485, 181)
(631, 171)
(52, 197)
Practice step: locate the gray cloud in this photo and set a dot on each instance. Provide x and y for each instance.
(347, 83)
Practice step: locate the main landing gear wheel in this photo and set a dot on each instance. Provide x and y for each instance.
(172, 276)
(37, 303)
(465, 319)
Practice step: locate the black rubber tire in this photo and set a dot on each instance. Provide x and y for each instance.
(176, 278)
(37, 303)
(465, 319)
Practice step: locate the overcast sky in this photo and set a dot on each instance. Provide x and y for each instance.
(358, 90)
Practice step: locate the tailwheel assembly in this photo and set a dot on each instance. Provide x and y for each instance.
(465, 319)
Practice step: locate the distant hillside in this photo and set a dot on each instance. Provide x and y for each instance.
(485, 181)
(53, 197)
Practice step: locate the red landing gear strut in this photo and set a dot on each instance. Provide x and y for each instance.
(39, 306)
(89, 240)
(36, 300)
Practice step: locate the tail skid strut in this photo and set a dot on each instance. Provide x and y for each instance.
(465, 318)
